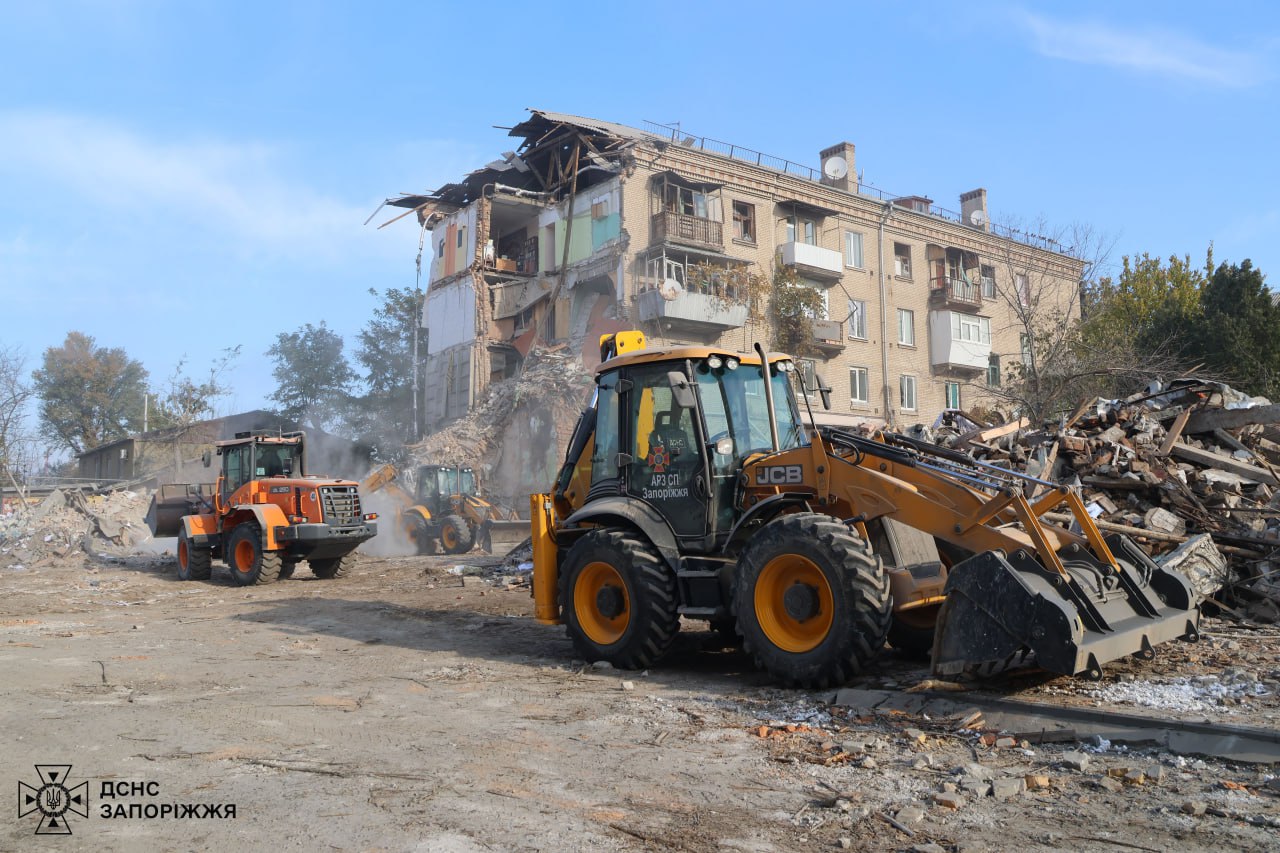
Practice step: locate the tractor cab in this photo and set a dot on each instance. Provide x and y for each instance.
(673, 429)
(438, 484)
(254, 456)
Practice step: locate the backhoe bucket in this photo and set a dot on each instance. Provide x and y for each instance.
(1000, 607)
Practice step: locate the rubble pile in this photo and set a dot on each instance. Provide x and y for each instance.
(1188, 469)
(553, 377)
(67, 521)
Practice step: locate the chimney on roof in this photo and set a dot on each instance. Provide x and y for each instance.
(838, 169)
(973, 209)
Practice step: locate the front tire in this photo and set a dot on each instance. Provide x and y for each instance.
(812, 602)
(618, 598)
(336, 567)
(455, 535)
(249, 563)
(194, 564)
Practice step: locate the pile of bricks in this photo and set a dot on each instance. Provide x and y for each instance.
(1175, 467)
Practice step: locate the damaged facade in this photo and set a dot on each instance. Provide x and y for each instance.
(590, 227)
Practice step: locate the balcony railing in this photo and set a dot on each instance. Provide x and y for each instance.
(669, 227)
(813, 261)
(699, 313)
(946, 291)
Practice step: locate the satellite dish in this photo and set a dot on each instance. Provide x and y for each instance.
(670, 289)
(977, 218)
(835, 167)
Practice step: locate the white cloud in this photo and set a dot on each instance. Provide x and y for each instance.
(233, 190)
(1152, 51)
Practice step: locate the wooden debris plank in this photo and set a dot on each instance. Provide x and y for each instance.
(1224, 463)
(1175, 432)
(1207, 420)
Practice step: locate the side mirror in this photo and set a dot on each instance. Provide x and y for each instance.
(206, 458)
(681, 390)
(824, 390)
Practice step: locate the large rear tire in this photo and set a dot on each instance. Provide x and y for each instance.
(336, 567)
(249, 563)
(455, 535)
(194, 564)
(618, 598)
(812, 602)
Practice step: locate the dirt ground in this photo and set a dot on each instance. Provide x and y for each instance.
(406, 707)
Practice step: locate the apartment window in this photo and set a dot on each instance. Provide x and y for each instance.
(1023, 289)
(524, 319)
(810, 232)
(1024, 344)
(970, 328)
(993, 371)
(902, 260)
(953, 395)
(744, 221)
(907, 393)
(858, 384)
(857, 319)
(809, 373)
(853, 249)
(988, 282)
(462, 235)
(688, 202)
(906, 327)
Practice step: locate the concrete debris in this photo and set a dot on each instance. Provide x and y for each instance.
(1189, 469)
(70, 521)
(1202, 693)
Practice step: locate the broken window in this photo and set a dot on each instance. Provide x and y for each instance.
(744, 221)
(988, 282)
(688, 202)
(902, 260)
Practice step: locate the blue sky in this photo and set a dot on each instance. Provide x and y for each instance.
(177, 178)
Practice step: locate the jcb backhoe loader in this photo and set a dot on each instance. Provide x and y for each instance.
(446, 507)
(691, 488)
(263, 516)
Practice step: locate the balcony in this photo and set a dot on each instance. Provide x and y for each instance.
(948, 292)
(687, 230)
(959, 340)
(813, 261)
(696, 313)
(828, 336)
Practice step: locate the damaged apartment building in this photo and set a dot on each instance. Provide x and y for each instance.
(589, 227)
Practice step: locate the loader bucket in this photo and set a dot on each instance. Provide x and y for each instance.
(1000, 607)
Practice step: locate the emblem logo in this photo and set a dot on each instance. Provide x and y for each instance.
(53, 799)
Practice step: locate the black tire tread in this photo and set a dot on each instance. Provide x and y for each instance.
(465, 539)
(199, 562)
(334, 567)
(655, 616)
(269, 562)
(861, 625)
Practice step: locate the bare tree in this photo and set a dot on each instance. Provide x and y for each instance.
(183, 403)
(1041, 276)
(15, 393)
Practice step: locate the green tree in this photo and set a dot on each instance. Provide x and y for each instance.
(1149, 307)
(312, 375)
(89, 395)
(383, 415)
(794, 306)
(1237, 334)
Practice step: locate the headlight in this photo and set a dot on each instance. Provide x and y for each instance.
(715, 362)
(731, 363)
